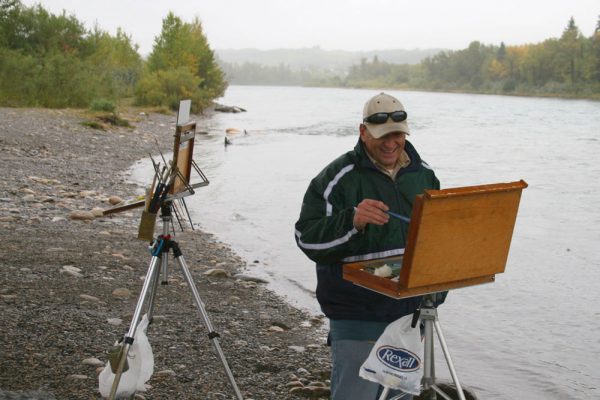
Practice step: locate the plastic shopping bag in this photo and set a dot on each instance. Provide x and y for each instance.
(141, 365)
(396, 358)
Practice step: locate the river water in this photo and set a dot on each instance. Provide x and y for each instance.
(535, 332)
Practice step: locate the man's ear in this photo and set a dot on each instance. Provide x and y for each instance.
(363, 131)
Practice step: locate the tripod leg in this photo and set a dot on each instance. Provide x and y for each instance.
(167, 219)
(128, 338)
(211, 333)
(153, 291)
(428, 365)
(164, 266)
(384, 393)
(444, 346)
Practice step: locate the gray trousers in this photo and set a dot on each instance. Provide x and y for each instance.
(347, 356)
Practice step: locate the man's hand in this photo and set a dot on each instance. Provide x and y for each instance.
(370, 211)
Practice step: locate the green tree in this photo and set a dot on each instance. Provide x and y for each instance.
(595, 54)
(115, 61)
(570, 51)
(9, 9)
(53, 61)
(501, 54)
(183, 47)
(35, 31)
(462, 69)
(537, 65)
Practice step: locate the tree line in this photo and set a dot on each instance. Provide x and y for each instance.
(49, 60)
(564, 66)
(569, 65)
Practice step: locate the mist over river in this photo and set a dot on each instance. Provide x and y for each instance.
(535, 332)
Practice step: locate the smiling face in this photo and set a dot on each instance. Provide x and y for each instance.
(385, 150)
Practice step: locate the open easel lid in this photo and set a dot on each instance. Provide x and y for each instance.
(457, 237)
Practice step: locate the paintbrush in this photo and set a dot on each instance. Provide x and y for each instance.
(400, 217)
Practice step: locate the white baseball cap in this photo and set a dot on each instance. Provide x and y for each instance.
(384, 114)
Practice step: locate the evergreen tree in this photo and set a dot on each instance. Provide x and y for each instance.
(501, 54)
(571, 48)
(595, 54)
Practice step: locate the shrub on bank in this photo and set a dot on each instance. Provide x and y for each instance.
(103, 105)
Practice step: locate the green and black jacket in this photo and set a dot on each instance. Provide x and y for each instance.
(325, 232)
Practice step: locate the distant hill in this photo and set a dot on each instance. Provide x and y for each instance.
(317, 58)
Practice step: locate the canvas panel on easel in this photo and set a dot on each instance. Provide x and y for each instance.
(183, 152)
(462, 233)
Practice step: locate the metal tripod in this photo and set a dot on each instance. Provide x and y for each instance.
(160, 251)
(429, 317)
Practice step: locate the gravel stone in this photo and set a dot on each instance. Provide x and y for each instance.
(47, 330)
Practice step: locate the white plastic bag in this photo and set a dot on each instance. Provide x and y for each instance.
(141, 366)
(396, 358)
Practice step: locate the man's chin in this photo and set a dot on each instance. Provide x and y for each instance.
(388, 162)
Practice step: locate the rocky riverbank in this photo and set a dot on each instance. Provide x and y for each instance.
(70, 280)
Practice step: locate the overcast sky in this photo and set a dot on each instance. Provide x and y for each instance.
(340, 24)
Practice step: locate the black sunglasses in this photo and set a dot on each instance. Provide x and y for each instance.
(382, 117)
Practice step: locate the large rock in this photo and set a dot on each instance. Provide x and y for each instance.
(114, 200)
(121, 293)
(217, 273)
(229, 109)
(80, 215)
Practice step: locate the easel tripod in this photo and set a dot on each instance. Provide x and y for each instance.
(457, 237)
(160, 250)
(429, 317)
